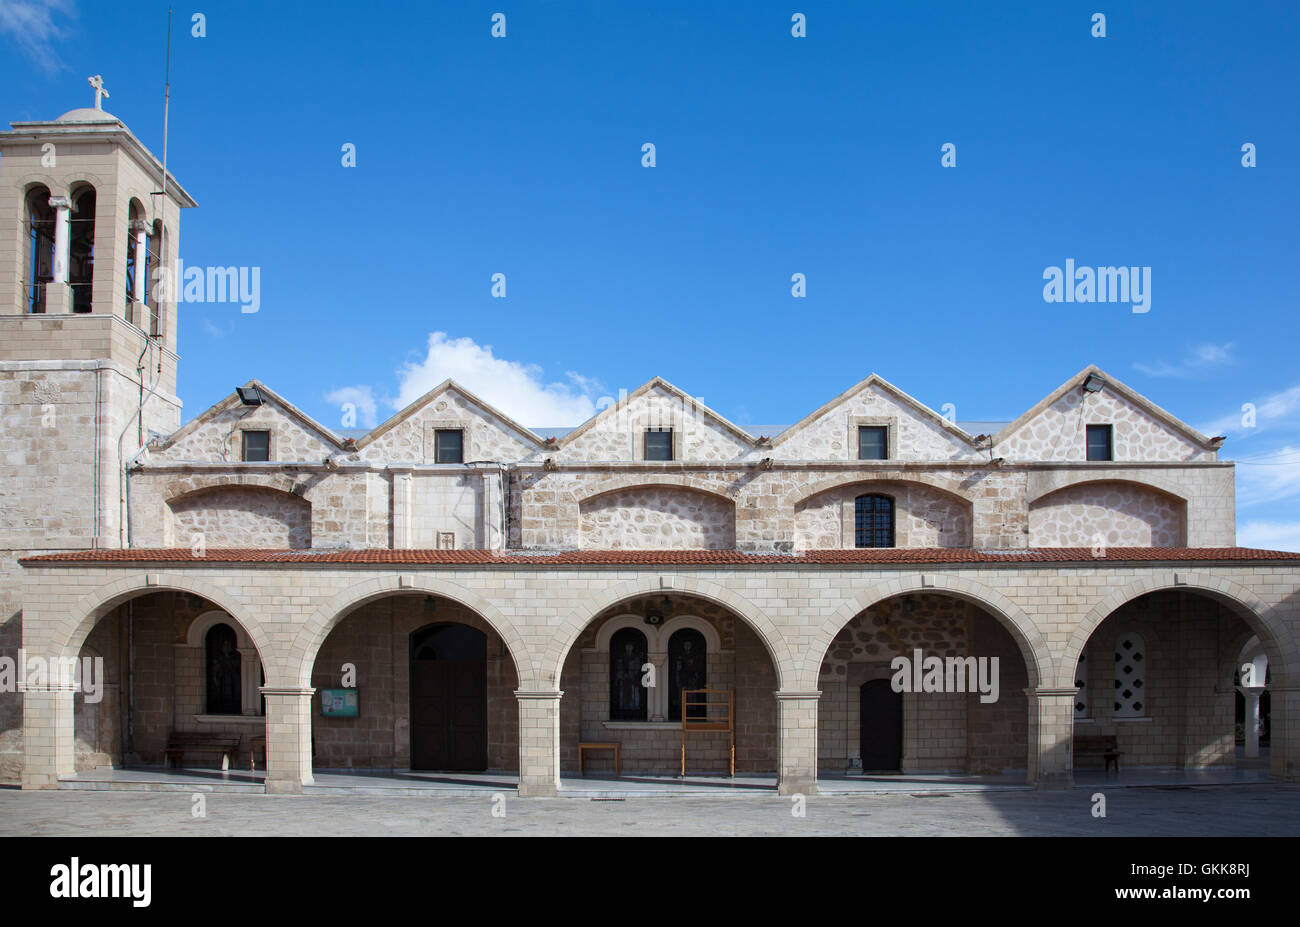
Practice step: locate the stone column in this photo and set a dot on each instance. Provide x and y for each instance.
(657, 698)
(539, 743)
(139, 285)
(1284, 732)
(48, 737)
(797, 742)
(1051, 737)
(58, 295)
(288, 738)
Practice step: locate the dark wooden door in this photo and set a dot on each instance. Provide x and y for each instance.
(882, 726)
(448, 699)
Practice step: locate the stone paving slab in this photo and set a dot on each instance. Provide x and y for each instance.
(1171, 811)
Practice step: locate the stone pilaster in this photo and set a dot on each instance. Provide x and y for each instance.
(797, 742)
(1051, 737)
(1284, 732)
(539, 743)
(47, 736)
(288, 738)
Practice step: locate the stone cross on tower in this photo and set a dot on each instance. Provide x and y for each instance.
(98, 83)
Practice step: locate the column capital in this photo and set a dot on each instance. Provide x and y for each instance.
(538, 694)
(60, 202)
(300, 691)
(1053, 692)
(796, 695)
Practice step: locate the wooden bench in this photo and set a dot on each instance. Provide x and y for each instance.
(183, 742)
(618, 755)
(1103, 745)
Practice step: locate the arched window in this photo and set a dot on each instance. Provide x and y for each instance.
(81, 248)
(223, 660)
(873, 521)
(627, 654)
(687, 669)
(1130, 676)
(39, 266)
(133, 273)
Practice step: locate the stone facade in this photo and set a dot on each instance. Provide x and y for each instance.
(130, 537)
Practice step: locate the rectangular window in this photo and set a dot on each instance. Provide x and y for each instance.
(1099, 442)
(257, 445)
(659, 444)
(873, 442)
(449, 445)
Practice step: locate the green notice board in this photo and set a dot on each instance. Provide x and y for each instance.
(338, 703)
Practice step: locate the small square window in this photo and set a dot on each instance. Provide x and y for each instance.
(873, 442)
(449, 445)
(257, 445)
(659, 444)
(1100, 446)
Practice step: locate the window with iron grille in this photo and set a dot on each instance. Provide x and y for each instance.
(449, 446)
(1100, 444)
(627, 654)
(873, 521)
(659, 444)
(873, 442)
(257, 446)
(687, 669)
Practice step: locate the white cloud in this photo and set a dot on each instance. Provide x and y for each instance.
(517, 389)
(30, 24)
(362, 398)
(1270, 535)
(1277, 409)
(1199, 358)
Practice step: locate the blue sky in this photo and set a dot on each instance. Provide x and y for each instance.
(775, 155)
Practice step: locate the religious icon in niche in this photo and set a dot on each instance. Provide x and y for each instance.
(627, 654)
(687, 669)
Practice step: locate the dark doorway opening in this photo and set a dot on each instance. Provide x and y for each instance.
(881, 726)
(449, 698)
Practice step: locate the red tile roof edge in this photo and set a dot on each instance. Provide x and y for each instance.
(663, 557)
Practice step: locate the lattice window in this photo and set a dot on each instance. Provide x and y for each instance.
(1081, 681)
(873, 521)
(1130, 677)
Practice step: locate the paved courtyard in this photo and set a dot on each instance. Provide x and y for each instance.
(1169, 811)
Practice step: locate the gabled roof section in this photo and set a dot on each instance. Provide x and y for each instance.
(442, 388)
(232, 401)
(643, 389)
(1126, 392)
(880, 382)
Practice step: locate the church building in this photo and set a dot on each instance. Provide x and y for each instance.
(875, 587)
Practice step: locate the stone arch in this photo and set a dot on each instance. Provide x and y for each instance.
(200, 626)
(1070, 480)
(1134, 506)
(657, 515)
(181, 489)
(885, 476)
(311, 636)
(657, 638)
(1033, 647)
(585, 494)
(563, 641)
(1258, 616)
(68, 637)
(267, 516)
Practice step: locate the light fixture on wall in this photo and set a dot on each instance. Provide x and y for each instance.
(1094, 383)
(250, 395)
(655, 614)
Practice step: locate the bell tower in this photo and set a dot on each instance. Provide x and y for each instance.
(89, 225)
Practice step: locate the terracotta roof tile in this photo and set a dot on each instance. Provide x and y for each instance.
(664, 557)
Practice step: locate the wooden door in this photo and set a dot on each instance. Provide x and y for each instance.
(449, 698)
(881, 726)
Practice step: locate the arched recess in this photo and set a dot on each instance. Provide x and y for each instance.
(897, 477)
(562, 641)
(657, 638)
(312, 635)
(241, 515)
(1033, 648)
(1125, 513)
(1273, 633)
(657, 516)
(925, 515)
